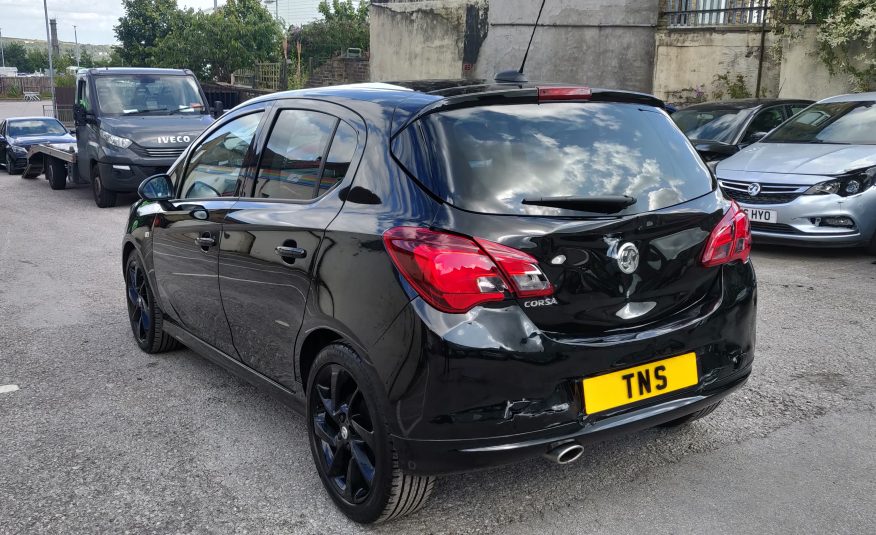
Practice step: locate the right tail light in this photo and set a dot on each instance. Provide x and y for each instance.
(730, 240)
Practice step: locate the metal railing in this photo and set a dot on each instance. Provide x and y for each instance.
(693, 13)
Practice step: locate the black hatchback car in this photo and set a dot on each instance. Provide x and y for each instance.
(449, 280)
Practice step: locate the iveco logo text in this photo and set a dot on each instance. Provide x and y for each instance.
(174, 139)
(540, 302)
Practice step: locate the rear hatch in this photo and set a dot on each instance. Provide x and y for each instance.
(526, 175)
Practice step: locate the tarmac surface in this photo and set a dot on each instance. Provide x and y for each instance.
(99, 437)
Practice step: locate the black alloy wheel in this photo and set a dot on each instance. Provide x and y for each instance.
(144, 315)
(344, 432)
(351, 445)
(10, 164)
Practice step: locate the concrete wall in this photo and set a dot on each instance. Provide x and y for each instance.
(602, 43)
(418, 40)
(687, 62)
(803, 75)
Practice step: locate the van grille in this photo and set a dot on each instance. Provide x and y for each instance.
(158, 152)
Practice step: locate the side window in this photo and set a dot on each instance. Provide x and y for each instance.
(293, 158)
(2, 128)
(339, 157)
(215, 165)
(794, 109)
(82, 95)
(765, 121)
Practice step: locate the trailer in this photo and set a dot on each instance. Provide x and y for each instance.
(57, 161)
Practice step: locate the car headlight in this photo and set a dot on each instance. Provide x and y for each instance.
(21, 151)
(845, 185)
(121, 142)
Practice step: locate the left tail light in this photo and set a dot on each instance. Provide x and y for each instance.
(454, 273)
(730, 240)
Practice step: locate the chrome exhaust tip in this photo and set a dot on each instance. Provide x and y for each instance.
(565, 453)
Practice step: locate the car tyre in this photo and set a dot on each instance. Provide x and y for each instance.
(145, 316)
(692, 416)
(872, 247)
(56, 173)
(351, 444)
(10, 165)
(102, 196)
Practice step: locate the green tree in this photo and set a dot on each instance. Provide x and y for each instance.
(343, 25)
(143, 25)
(38, 59)
(846, 34)
(237, 35)
(16, 56)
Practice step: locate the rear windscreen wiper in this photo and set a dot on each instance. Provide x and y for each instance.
(604, 204)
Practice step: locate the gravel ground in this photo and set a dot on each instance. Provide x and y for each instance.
(101, 438)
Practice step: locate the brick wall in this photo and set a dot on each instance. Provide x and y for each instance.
(340, 70)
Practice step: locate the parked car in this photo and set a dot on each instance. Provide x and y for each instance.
(452, 280)
(721, 129)
(811, 180)
(18, 134)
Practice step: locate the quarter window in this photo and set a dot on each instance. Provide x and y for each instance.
(293, 160)
(337, 164)
(215, 166)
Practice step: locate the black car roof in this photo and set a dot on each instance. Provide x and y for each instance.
(406, 100)
(745, 103)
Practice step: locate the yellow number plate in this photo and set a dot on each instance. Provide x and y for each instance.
(622, 387)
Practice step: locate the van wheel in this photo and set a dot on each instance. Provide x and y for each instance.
(102, 196)
(691, 417)
(56, 173)
(350, 442)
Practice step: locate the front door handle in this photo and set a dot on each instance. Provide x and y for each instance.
(290, 252)
(205, 241)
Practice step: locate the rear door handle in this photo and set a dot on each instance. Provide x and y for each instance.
(290, 252)
(205, 241)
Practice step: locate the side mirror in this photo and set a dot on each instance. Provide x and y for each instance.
(78, 115)
(156, 188)
(218, 108)
(754, 138)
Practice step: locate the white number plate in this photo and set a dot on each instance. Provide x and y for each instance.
(761, 216)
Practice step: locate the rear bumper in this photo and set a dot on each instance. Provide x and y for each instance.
(488, 387)
(431, 457)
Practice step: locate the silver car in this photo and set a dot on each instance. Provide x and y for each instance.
(811, 180)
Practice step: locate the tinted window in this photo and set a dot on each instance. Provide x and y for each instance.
(337, 164)
(764, 121)
(797, 108)
(835, 122)
(215, 165)
(494, 157)
(35, 127)
(711, 125)
(293, 158)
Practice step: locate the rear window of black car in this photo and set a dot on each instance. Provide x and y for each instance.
(489, 159)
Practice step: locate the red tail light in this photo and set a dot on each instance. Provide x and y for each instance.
(730, 240)
(564, 93)
(454, 273)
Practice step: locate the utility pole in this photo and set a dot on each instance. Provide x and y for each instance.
(51, 65)
(2, 54)
(76, 39)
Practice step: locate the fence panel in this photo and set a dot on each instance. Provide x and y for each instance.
(692, 13)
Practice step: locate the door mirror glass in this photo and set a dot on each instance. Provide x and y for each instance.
(78, 114)
(156, 188)
(754, 137)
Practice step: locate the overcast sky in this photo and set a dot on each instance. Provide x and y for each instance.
(94, 18)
